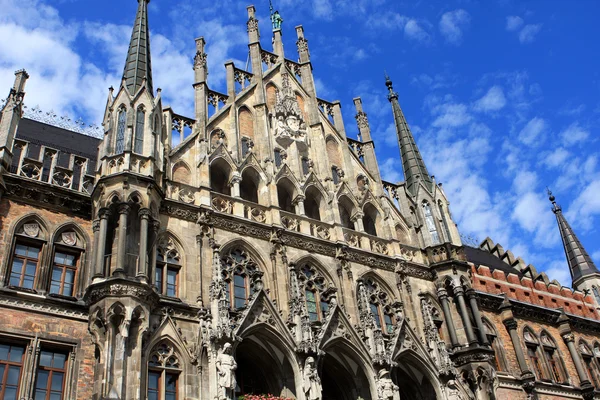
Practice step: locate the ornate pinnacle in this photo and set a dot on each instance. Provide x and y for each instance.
(555, 207)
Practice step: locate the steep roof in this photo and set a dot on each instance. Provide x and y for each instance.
(138, 64)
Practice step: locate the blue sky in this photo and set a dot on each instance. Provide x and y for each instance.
(502, 96)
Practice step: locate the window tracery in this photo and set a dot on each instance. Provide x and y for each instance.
(380, 306)
(166, 270)
(240, 272)
(163, 373)
(316, 292)
(590, 363)
(120, 139)
(552, 359)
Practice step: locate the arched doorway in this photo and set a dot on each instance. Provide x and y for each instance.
(343, 376)
(412, 382)
(263, 367)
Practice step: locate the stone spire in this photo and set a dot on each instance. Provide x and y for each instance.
(580, 263)
(138, 64)
(412, 162)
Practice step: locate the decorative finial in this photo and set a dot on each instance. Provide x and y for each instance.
(555, 207)
(388, 83)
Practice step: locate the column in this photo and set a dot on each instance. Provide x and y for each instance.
(472, 296)
(96, 230)
(443, 297)
(152, 259)
(142, 272)
(299, 203)
(511, 327)
(569, 339)
(235, 184)
(462, 307)
(124, 209)
(99, 271)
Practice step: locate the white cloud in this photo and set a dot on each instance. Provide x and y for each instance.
(451, 115)
(532, 130)
(556, 158)
(322, 9)
(414, 31)
(513, 23)
(574, 134)
(493, 100)
(452, 25)
(391, 21)
(391, 170)
(585, 206)
(559, 270)
(529, 32)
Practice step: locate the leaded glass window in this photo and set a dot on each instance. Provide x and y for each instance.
(316, 292)
(139, 131)
(430, 221)
(121, 124)
(239, 272)
(380, 307)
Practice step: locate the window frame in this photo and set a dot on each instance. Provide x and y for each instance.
(51, 371)
(23, 240)
(120, 130)
(8, 363)
(165, 267)
(163, 371)
(78, 253)
(138, 139)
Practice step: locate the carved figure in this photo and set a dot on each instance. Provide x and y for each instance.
(276, 20)
(311, 382)
(226, 367)
(386, 389)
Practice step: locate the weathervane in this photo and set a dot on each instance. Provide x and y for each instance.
(276, 19)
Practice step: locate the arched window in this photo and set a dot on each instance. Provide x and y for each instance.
(285, 196)
(249, 185)
(445, 221)
(164, 369)
(552, 358)
(496, 343)
(345, 208)
(430, 221)
(312, 204)
(590, 363)
(121, 124)
(369, 219)
(314, 292)
(596, 294)
(166, 270)
(28, 245)
(219, 177)
(535, 362)
(138, 146)
(67, 258)
(381, 309)
(240, 273)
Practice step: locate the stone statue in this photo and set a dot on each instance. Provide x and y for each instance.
(386, 389)
(311, 380)
(276, 20)
(226, 367)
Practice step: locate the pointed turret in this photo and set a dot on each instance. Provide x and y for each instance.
(580, 263)
(412, 162)
(138, 65)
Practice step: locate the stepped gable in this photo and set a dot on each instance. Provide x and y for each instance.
(499, 272)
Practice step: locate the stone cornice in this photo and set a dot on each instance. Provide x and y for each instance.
(534, 312)
(43, 305)
(47, 196)
(293, 239)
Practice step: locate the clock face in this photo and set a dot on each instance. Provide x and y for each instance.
(293, 123)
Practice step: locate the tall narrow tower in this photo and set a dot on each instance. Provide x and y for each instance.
(126, 201)
(584, 273)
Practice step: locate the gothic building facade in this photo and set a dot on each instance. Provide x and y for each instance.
(254, 248)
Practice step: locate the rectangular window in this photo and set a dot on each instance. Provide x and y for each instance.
(63, 274)
(335, 175)
(172, 282)
(375, 313)
(311, 305)
(153, 385)
(24, 266)
(171, 386)
(158, 277)
(11, 363)
(278, 158)
(239, 291)
(50, 377)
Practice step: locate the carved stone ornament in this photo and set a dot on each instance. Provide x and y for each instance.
(32, 229)
(69, 238)
(288, 121)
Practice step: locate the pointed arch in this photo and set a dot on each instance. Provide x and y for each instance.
(333, 151)
(416, 378)
(70, 266)
(246, 122)
(495, 341)
(347, 208)
(371, 218)
(220, 175)
(217, 137)
(382, 301)
(552, 358)
(252, 183)
(271, 90)
(181, 173)
(286, 193)
(121, 128)
(317, 286)
(140, 122)
(169, 262)
(165, 375)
